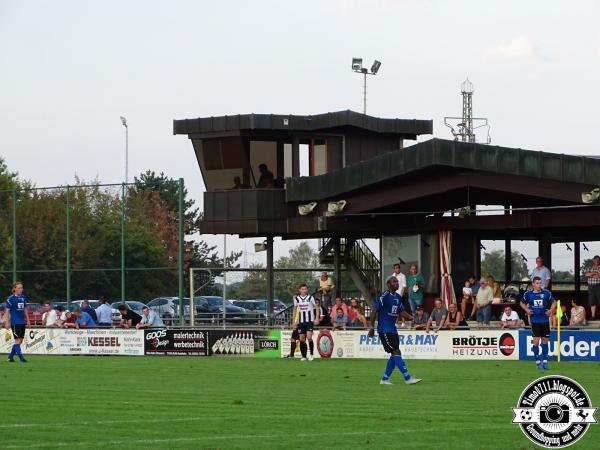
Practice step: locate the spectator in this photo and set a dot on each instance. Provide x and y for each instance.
(129, 318)
(511, 319)
(70, 319)
(577, 314)
(415, 283)
(338, 304)
(61, 316)
(564, 320)
(266, 180)
(103, 313)
(237, 183)
(49, 318)
(83, 319)
(420, 319)
(496, 290)
(438, 316)
(455, 318)
(150, 319)
(323, 319)
(401, 280)
(482, 308)
(85, 307)
(356, 315)
(326, 288)
(541, 271)
(467, 296)
(341, 320)
(593, 281)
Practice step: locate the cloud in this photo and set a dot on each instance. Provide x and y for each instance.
(519, 48)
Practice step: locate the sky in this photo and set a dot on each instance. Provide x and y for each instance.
(69, 69)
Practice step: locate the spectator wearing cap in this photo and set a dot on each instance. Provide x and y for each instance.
(540, 270)
(420, 319)
(83, 319)
(150, 319)
(103, 313)
(593, 281)
(483, 303)
(49, 318)
(129, 318)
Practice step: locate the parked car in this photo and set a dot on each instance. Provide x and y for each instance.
(260, 305)
(210, 308)
(165, 307)
(135, 306)
(93, 303)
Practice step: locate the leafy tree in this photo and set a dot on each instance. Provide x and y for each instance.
(493, 264)
(562, 275)
(8, 181)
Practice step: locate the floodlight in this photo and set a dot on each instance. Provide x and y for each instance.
(124, 121)
(336, 207)
(357, 64)
(375, 67)
(306, 209)
(260, 247)
(464, 212)
(591, 196)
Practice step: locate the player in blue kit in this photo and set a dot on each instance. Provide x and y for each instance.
(539, 304)
(388, 307)
(16, 307)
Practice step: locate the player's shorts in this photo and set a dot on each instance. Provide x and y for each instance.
(18, 331)
(303, 327)
(295, 335)
(390, 342)
(540, 329)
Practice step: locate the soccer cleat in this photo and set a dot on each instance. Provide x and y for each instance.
(23, 360)
(386, 382)
(10, 360)
(303, 359)
(412, 380)
(310, 357)
(539, 366)
(545, 366)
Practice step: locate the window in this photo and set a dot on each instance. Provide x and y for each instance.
(563, 266)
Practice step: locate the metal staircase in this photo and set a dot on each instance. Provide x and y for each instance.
(361, 263)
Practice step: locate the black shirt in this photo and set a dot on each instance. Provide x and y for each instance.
(133, 316)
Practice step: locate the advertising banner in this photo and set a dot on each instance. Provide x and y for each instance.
(575, 345)
(257, 343)
(176, 342)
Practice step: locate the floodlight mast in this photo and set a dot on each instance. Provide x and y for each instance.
(358, 68)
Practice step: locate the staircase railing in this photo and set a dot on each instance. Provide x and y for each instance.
(367, 263)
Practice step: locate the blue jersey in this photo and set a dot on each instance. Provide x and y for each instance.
(86, 319)
(388, 307)
(538, 303)
(17, 306)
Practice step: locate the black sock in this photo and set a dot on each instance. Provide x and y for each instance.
(311, 346)
(303, 348)
(292, 348)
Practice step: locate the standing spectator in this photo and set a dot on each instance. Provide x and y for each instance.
(439, 315)
(540, 270)
(324, 320)
(49, 318)
(577, 314)
(340, 320)
(267, 179)
(483, 303)
(420, 319)
(85, 307)
(326, 288)
(467, 296)
(593, 281)
(338, 304)
(83, 319)
(401, 280)
(415, 283)
(150, 319)
(356, 316)
(103, 313)
(510, 319)
(129, 318)
(455, 318)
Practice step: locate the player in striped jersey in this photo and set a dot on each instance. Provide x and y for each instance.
(305, 314)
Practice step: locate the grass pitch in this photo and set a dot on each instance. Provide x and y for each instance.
(197, 402)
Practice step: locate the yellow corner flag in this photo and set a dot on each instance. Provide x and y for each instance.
(559, 315)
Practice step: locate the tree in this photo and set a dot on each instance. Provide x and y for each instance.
(493, 264)
(8, 181)
(302, 256)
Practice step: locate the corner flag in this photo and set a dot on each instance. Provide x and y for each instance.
(559, 315)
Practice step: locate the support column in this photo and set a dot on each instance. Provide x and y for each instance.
(270, 285)
(180, 262)
(337, 262)
(14, 236)
(577, 273)
(507, 261)
(295, 156)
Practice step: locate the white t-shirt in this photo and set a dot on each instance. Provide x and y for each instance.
(513, 316)
(50, 318)
(401, 281)
(467, 291)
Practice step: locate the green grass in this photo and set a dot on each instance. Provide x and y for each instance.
(178, 402)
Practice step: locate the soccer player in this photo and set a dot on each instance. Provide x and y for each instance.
(388, 307)
(305, 313)
(16, 307)
(539, 304)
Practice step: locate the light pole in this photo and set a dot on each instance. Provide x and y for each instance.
(124, 122)
(358, 68)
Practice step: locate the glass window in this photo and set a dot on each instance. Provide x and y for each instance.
(587, 251)
(563, 266)
(319, 157)
(492, 259)
(263, 152)
(221, 161)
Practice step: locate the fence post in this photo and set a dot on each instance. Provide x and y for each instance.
(123, 242)
(14, 235)
(68, 246)
(180, 262)
(192, 306)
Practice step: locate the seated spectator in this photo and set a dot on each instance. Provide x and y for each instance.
(237, 183)
(85, 307)
(455, 318)
(511, 319)
(49, 318)
(467, 297)
(577, 314)
(129, 318)
(150, 319)
(61, 316)
(496, 289)
(326, 288)
(421, 318)
(70, 319)
(103, 313)
(564, 320)
(83, 319)
(341, 320)
(438, 317)
(338, 304)
(356, 316)
(324, 320)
